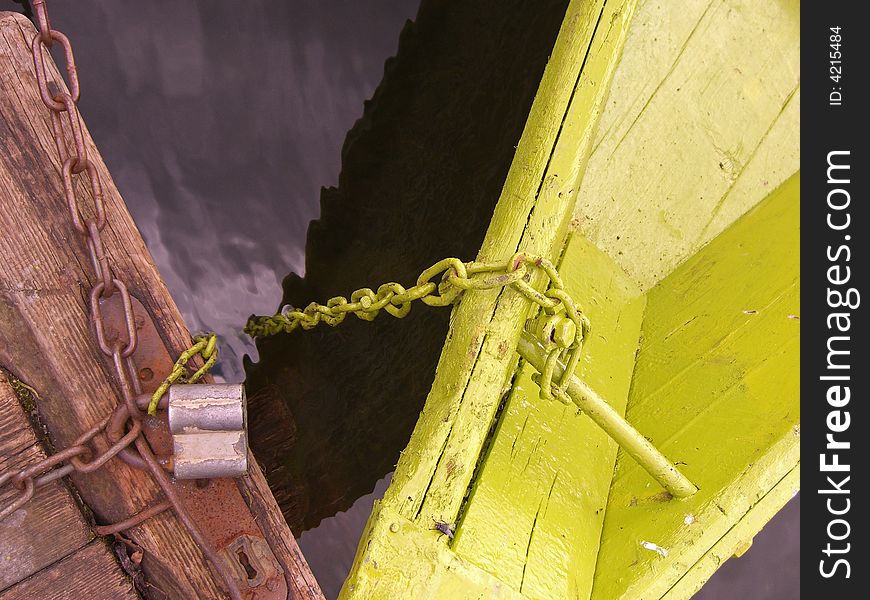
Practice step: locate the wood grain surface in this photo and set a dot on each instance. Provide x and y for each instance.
(47, 528)
(46, 338)
(91, 573)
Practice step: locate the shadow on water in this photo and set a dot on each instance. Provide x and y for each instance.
(220, 121)
(330, 409)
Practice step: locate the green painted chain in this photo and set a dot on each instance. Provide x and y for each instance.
(205, 346)
(561, 328)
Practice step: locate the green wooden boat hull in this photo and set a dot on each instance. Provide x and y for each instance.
(659, 168)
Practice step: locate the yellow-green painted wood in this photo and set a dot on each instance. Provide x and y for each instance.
(610, 420)
(433, 474)
(399, 559)
(698, 129)
(715, 387)
(702, 123)
(738, 538)
(533, 213)
(535, 513)
(541, 217)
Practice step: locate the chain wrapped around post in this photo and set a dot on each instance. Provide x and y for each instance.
(69, 137)
(552, 343)
(561, 328)
(50, 469)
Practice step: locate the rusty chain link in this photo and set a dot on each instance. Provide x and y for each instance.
(30, 478)
(561, 328)
(118, 439)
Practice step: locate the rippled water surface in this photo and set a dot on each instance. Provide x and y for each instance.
(220, 122)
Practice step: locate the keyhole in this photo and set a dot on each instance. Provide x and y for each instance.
(250, 571)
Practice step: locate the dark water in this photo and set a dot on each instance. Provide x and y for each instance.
(331, 409)
(220, 122)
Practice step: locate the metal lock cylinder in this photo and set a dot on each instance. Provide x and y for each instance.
(209, 430)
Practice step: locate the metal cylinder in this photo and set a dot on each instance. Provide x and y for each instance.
(209, 430)
(202, 407)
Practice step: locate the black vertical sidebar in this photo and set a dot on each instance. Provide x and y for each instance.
(834, 368)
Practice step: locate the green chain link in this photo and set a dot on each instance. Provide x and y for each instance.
(561, 329)
(205, 346)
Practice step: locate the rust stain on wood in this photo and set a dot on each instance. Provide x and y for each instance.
(45, 333)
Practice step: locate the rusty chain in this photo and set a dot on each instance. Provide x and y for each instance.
(30, 478)
(561, 328)
(118, 440)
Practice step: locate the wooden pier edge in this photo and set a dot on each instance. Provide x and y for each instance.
(46, 339)
(49, 538)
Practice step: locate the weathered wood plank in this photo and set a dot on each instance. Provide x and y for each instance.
(46, 337)
(715, 389)
(738, 538)
(50, 526)
(699, 127)
(533, 214)
(91, 573)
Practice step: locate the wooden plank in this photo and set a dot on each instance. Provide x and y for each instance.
(738, 538)
(699, 127)
(537, 504)
(533, 218)
(90, 573)
(533, 214)
(431, 477)
(715, 389)
(48, 527)
(46, 335)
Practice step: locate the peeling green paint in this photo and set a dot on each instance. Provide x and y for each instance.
(433, 475)
(537, 506)
(707, 347)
